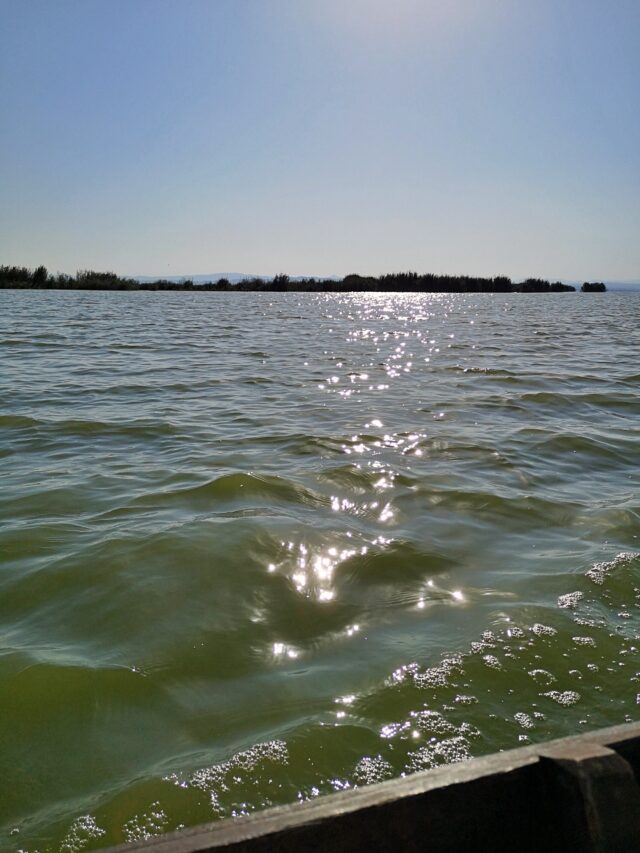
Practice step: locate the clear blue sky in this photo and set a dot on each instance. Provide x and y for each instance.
(321, 136)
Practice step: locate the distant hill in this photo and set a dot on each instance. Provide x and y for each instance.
(624, 286)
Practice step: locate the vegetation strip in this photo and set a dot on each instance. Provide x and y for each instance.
(39, 278)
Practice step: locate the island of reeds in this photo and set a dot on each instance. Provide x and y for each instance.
(40, 278)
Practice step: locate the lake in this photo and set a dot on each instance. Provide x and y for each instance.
(256, 548)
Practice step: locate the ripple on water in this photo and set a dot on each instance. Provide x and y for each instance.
(257, 550)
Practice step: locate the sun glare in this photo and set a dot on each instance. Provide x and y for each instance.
(401, 21)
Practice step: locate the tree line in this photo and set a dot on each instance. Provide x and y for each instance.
(40, 278)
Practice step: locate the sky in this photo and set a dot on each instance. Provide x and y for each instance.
(321, 137)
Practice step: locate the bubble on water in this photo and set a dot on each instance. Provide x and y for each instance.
(438, 676)
(469, 730)
(543, 630)
(599, 571)
(147, 825)
(83, 830)
(586, 622)
(462, 699)
(523, 720)
(432, 722)
(223, 776)
(431, 725)
(492, 662)
(274, 751)
(488, 641)
(399, 675)
(565, 698)
(393, 729)
(584, 641)
(448, 751)
(370, 770)
(570, 599)
(542, 676)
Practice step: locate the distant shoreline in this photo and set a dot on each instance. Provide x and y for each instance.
(23, 278)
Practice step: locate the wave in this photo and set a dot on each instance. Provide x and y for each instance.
(606, 402)
(400, 563)
(568, 446)
(237, 487)
(78, 427)
(521, 509)
(533, 673)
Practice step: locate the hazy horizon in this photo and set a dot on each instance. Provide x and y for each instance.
(485, 138)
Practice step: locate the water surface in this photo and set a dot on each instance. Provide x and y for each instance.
(260, 547)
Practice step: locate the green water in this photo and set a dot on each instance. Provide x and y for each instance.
(260, 547)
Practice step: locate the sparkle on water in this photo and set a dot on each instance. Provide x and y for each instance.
(257, 548)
